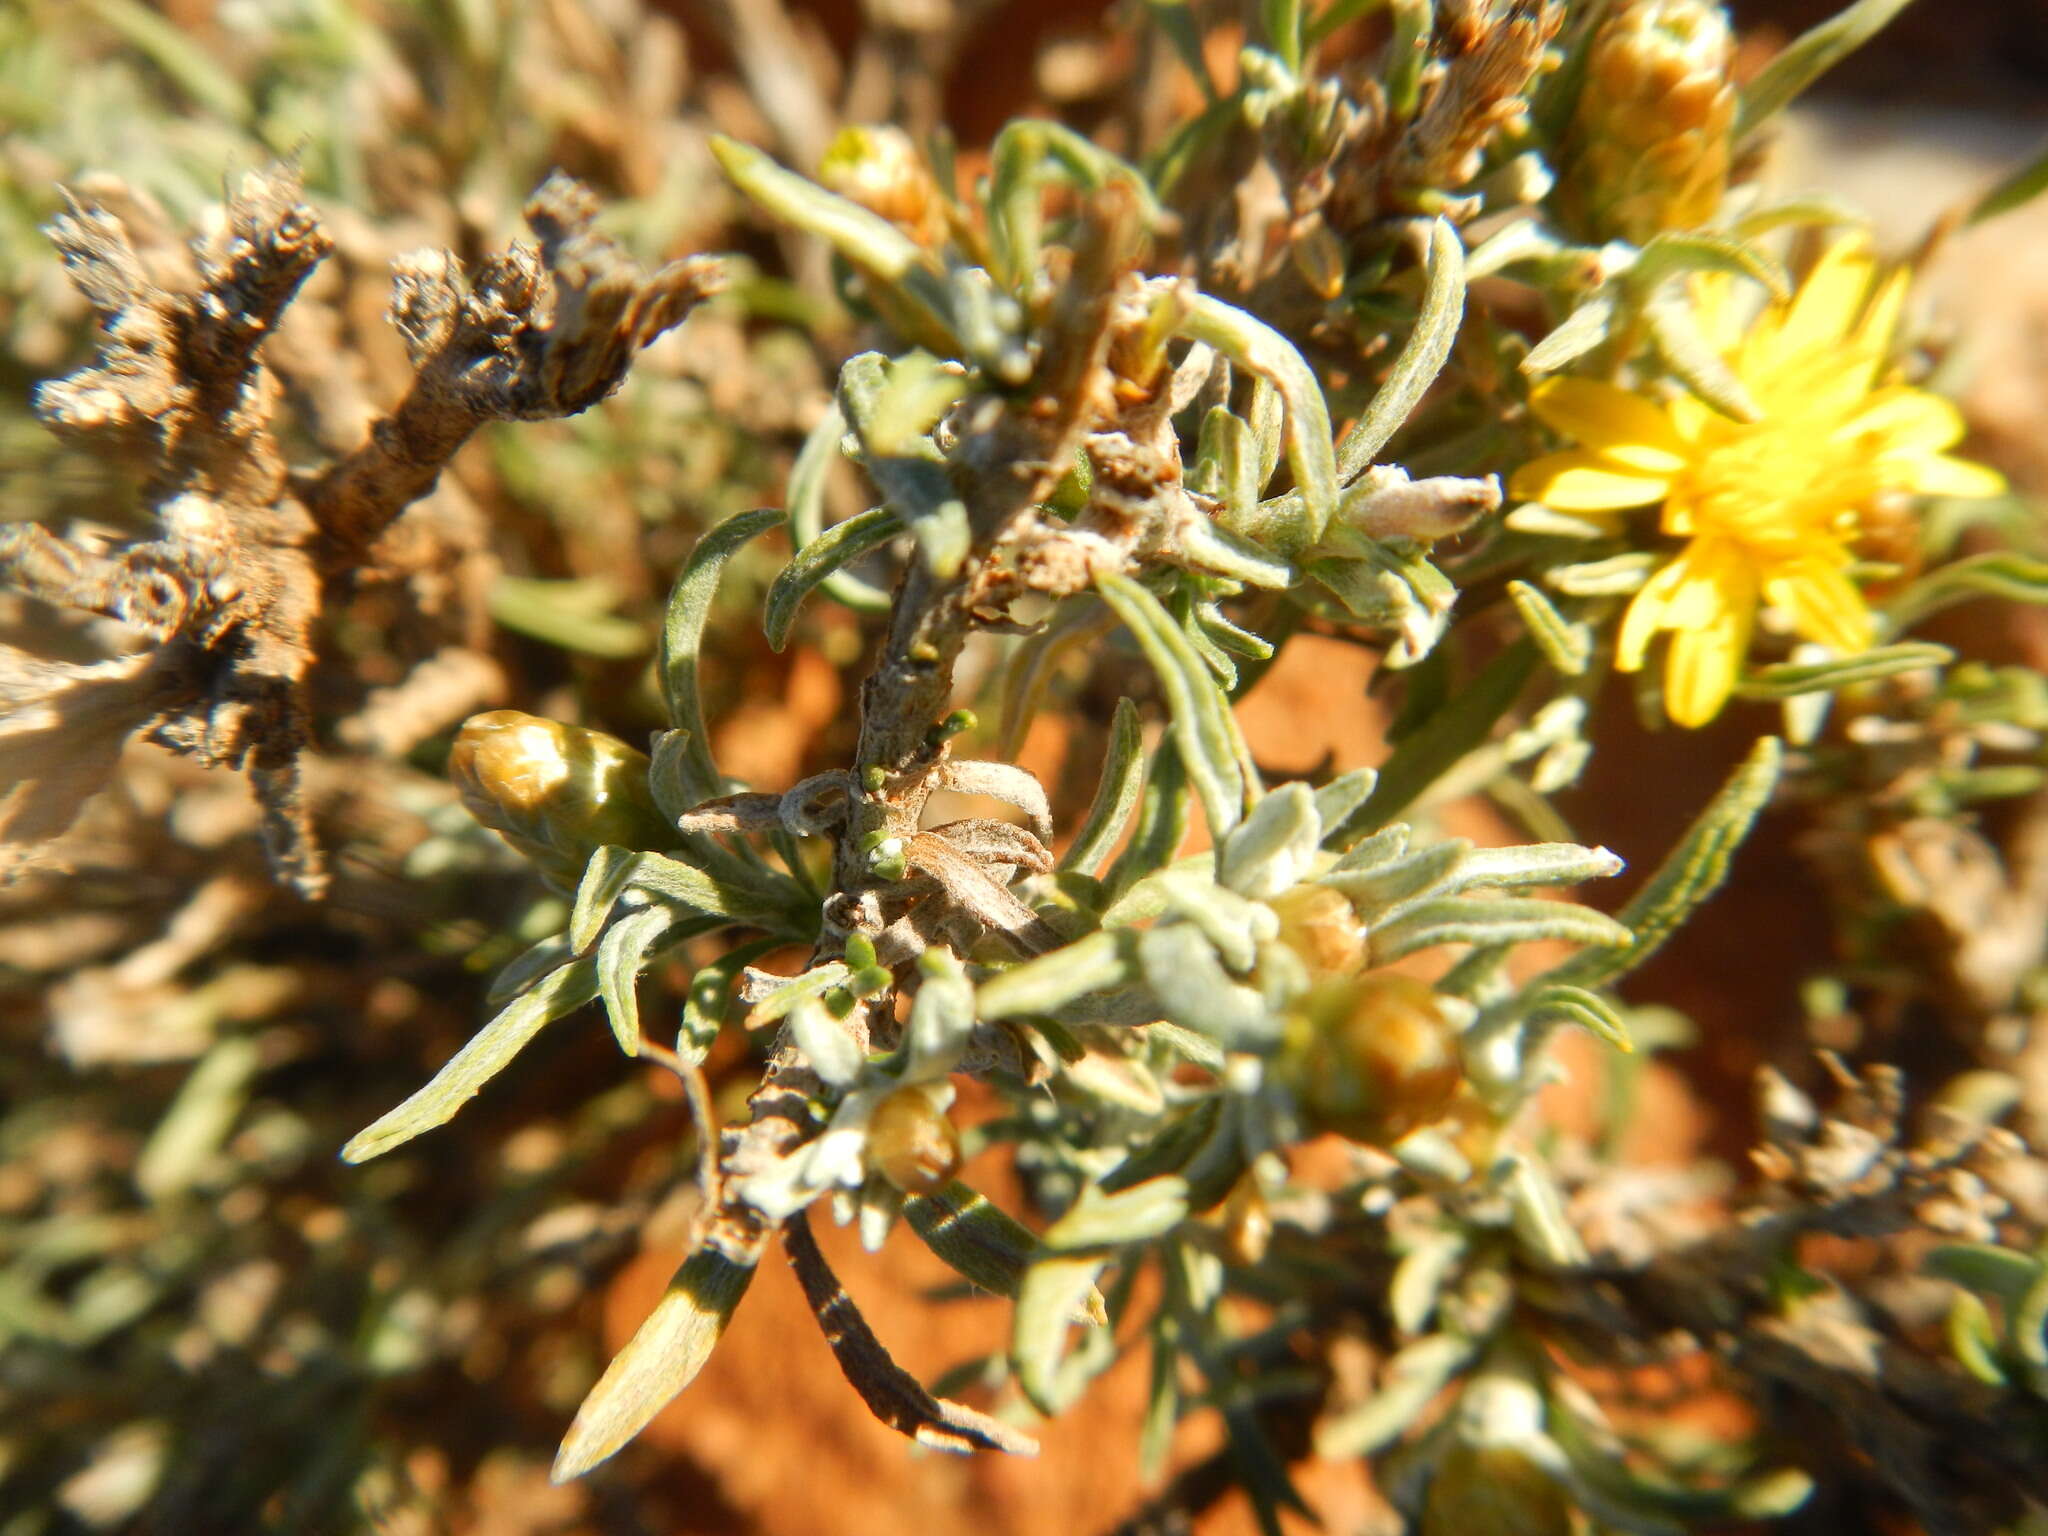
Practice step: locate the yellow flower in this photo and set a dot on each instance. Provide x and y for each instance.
(1769, 508)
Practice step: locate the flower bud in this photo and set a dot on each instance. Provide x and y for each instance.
(1319, 925)
(879, 168)
(912, 1142)
(555, 792)
(1247, 1221)
(1380, 1059)
(1651, 139)
(1494, 1490)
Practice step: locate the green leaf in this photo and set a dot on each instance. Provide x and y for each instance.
(193, 68)
(673, 880)
(1116, 793)
(1202, 725)
(1137, 1213)
(1974, 1340)
(2017, 578)
(1421, 360)
(866, 239)
(710, 995)
(1412, 1379)
(605, 877)
(1565, 645)
(815, 982)
(2021, 187)
(1282, 20)
(661, 1359)
(983, 1242)
(1679, 253)
(619, 959)
(808, 479)
(192, 1131)
(1508, 920)
(682, 638)
(571, 614)
(1460, 726)
(1338, 799)
(841, 545)
(1100, 961)
(1183, 971)
(1786, 680)
(1257, 347)
(1691, 873)
(487, 1054)
(1053, 1291)
(1693, 361)
(1808, 57)
(1162, 822)
(1986, 1268)
(1580, 332)
(1560, 1004)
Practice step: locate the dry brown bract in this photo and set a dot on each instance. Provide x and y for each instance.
(225, 601)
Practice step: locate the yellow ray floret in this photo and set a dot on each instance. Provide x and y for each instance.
(1769, 508)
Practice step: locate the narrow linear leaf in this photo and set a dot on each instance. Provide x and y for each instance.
(808, 479)
(661, 1359)
(1256, 346)
(2017, 578)
(619, 959)
(839, 546)
(1693, 360)
(1421, 360)
(1162, 823)
(1096, 963)
(1202, 726)
(2021, 187)
(682, 637)
(866, 239)
(1338, 799)
(1565, 645)
(815, 982)
(1691, 873)
(605, 878)
(1116, 793)
(1787, 680)
(1809, 56)
(487, 1053)
(1053, 1291)
(983, 1242)
(1579, 333)
(1677, 253)
(1986, 1268)
(1412, 1378)
(1511, 920)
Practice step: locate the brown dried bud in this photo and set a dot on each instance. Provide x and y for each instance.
(1247, 1222)
(555, 792)
(879, 168)
(1651, 140)
(1380, 1059)
(912, 1142)
(1318, 924)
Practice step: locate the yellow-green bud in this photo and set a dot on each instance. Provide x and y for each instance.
(1379, 1059)
(555, 792)
(1651, 139)
(912, 1142)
